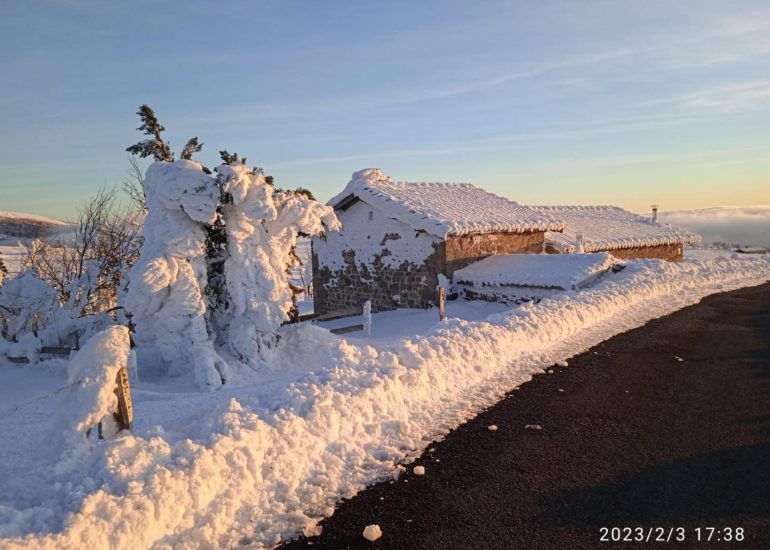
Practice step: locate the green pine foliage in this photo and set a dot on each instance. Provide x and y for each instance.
(192, 146)
(230, 158)
(155, 146)
(305, 192)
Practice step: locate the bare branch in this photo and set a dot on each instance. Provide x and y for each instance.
(133, 186)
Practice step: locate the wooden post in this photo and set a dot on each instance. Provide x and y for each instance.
(441, 304)
(125, 415)
(367, 316)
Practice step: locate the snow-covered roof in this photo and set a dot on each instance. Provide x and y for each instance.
(444, 209)
(535, 270)
(608, 228)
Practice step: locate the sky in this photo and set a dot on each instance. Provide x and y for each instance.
(545, 102)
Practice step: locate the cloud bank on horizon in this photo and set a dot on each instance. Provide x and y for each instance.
(743, 225)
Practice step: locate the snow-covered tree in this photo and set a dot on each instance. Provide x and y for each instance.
(214, 267)
(166, 290)
(262, 227)
(27, 305)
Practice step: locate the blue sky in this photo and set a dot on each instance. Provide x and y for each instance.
(585, 102)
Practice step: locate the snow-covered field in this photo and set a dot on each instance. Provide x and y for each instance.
(26, 216)
(247, 466)
(12, 254)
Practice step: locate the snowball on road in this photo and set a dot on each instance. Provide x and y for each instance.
(267, 459)
(372, 532)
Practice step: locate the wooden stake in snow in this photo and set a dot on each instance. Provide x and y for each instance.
(367, 315)
(441, 303)
(125, 407)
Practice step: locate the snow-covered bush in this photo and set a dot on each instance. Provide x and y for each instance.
(27, 305)
(262, 227)
(165, 294)
(32, 316)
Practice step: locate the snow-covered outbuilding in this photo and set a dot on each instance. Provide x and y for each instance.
(398, 239)
(611, 229)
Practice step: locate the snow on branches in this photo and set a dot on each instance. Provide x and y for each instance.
(165, 294)
(177, 314)
(262, 226)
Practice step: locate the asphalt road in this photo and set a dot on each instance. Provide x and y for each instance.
(636, 439)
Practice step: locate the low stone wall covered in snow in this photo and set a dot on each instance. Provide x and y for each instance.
(671, 252)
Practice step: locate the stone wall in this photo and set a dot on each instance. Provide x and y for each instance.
(671, 252)
(408, 285)
(374, 257)
(463, 251)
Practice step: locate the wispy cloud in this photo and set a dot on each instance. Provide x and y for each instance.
(728, 98)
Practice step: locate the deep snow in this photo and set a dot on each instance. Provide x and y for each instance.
(249, 465)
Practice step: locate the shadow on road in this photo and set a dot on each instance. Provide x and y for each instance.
(701, 489)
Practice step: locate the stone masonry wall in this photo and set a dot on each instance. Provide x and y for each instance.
(463, 251)
(375, 257)
(413, 285)
(670, 252)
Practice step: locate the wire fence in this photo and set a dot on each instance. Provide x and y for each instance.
(16, 407)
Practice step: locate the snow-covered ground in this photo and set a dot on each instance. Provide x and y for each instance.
(389, 326)
(12, 254)
(26, 216)
(250, 465)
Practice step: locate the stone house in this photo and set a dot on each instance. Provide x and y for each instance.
(400, 240)
(611, 229)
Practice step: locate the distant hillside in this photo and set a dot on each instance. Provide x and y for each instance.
(27, 226)
(728, 225)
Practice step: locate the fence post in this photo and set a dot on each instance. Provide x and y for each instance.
(441, 303)
(367, 315)
(125, 407)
